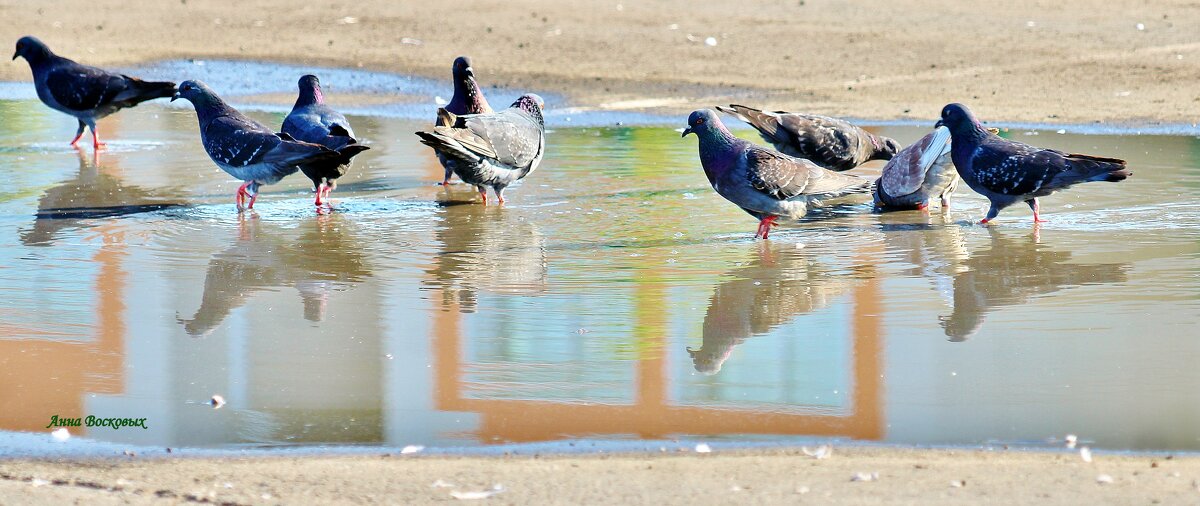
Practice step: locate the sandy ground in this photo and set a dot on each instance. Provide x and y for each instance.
(1125, 61)
(758, 477)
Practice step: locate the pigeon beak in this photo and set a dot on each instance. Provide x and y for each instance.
(175, 96)
(15, 55)
(686, 131)
(939, 124)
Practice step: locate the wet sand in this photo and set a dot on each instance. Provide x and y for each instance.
(905, 476)
(1024, 60)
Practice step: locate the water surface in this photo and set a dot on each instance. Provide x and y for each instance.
(616, 296)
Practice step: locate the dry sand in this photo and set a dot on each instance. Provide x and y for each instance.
(1022, 60)
(759, 477)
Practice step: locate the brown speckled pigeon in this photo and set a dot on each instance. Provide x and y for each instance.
(247, 149)
(496, 149)
(765, 183)
(829, 142)
(1007, 172)
(313, 121)
(87, 93)
(467, 99)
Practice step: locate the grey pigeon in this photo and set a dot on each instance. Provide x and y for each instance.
(918, 173)
(767, 184)
(313, 121)
(87, 93)
(1007, 172)
(250, 151)
(832, 143)
(468, 99)
(494, 149)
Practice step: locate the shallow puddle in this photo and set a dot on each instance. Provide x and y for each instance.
(615, 297)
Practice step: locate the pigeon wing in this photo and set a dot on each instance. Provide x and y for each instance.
(82, 88)
(238, 142)
(1012, 168)
(783, 177)
(510, 136)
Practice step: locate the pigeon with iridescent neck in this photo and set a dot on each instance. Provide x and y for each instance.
(765, 183)
(1007, 172)
(86, 93)
(832, 143)
(467, 99)
(496, 149)
(247, 149)
(313, 121)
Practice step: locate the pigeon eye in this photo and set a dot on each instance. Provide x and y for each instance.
(700, 121)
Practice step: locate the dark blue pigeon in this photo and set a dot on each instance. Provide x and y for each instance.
(1007, 172)
(468, 99)
(87, 93)
(250, 151)
(313, 121)
(832, 143)
(765, 183)
(496, 149)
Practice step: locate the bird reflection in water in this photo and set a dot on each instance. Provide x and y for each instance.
(779, 284)
(325, 258)
(1011, 272)
(487, 249)
(97, 191)
(932, 243)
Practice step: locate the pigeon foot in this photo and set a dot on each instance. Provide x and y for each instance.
(764, 226)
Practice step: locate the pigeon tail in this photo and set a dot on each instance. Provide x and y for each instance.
(766, 123)
(350, 151)
(447, 146)
(1098, 168)
(149, 90)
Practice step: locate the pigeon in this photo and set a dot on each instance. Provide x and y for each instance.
(250, 151)
(765, 183)
(1007, 172)
(829, 142)
(313, 121)
(468, 99)
(917, 173)
(87, 93)
(495, 149)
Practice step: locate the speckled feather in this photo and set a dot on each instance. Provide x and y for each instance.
(831, 143)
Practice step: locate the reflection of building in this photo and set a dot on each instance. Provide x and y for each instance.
(653, 414)
(43, 374)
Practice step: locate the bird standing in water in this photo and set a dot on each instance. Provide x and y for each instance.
(467, 99)
(86, 93)
(767, 184)
(247, 149)
(1007, 172)
(313, 121)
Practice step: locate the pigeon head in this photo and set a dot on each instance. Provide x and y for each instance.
(530, 103)
(959, 120)
(462, 69)
(198, 94)
(310, 91)
(31, 49)
(706, 363)
(889, 149)
(703, 122)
